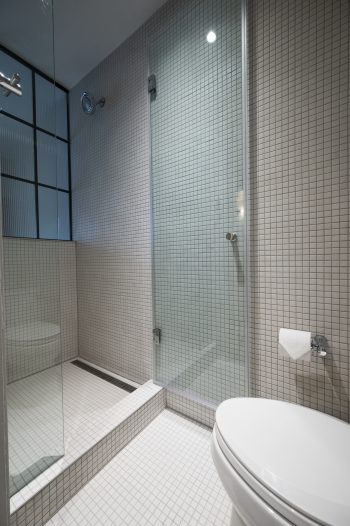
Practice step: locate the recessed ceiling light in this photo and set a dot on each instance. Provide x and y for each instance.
(211, 37)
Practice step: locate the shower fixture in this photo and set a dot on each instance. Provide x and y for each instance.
(88, 103)
(10, 85)
(231, 236)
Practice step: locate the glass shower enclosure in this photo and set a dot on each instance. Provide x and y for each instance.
(198, 200)
(29, 157)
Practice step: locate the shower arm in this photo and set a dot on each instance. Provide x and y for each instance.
(10, 85)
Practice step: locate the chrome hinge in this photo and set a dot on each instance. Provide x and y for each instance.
(156, 336)
(152, 86)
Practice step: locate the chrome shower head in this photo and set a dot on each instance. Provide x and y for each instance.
(88, 103)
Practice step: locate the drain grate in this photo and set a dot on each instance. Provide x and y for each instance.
(104, 376)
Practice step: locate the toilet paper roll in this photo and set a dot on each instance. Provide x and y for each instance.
(295, 344)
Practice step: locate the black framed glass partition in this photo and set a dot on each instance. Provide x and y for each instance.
(38, 180)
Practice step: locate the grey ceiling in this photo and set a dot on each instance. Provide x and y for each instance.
(86, 31)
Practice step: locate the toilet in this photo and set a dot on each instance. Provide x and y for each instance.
(31, 347)
(282, 464)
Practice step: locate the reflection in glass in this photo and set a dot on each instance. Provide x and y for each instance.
(21, 107)
(52, 161)
(51, 107)
(18, 208)
(16, 148)
(30, 266)
(33, 349)
(197, 184)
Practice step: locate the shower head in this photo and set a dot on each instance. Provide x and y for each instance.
(88, 103)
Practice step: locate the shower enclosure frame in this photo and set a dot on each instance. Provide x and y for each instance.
(246, 185)
(4, 456)
(4, 451)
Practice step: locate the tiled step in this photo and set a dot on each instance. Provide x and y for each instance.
(103, 440)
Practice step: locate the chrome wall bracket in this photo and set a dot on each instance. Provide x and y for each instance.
(10, 85)
(319, 346)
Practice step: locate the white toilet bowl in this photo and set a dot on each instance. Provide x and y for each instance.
(282, 464)
(31, 348)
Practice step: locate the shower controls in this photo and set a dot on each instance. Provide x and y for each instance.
(156, 336)
(231, 236)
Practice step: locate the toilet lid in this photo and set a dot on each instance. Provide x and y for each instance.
(302, 456)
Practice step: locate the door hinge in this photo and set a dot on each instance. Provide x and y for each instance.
(152, 86)
(156, 336)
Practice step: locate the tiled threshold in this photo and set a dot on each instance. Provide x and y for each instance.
(102, 438)
(188, 406)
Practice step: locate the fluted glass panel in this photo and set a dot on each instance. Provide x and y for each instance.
(16, 148)
(18, 208)
(52, 161)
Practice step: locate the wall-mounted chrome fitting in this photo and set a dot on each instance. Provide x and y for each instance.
(10, 85)
(231, 236)
(156, 335)
(319, 346)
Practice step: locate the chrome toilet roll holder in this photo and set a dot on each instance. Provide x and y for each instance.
(319, 346)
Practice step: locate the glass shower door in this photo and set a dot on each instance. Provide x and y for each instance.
(30, 266)
(198, 203)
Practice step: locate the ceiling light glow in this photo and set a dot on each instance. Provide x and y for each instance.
(211, 37)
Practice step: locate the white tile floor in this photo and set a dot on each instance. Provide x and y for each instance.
(165, 476)
(36, 406)
(92, 409)
(35, 423)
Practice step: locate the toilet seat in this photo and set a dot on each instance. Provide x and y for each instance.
(36, 332)
(281, 452)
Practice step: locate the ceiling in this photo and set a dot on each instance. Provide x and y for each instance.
(85, 31)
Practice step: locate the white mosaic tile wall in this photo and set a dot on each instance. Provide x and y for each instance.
(111, 198)
(111, 215)
(197, 183)
(299, 107)
(40, 301)
(299, 157)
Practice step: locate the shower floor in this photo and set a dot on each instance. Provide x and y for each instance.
(36, 425)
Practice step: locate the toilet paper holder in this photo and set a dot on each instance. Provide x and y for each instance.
(319, 346)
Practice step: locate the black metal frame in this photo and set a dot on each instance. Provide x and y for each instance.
(36, 128)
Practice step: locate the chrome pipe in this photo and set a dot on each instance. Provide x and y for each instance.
(10, 85)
